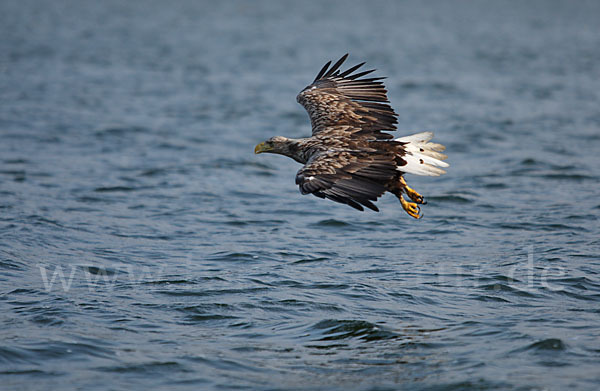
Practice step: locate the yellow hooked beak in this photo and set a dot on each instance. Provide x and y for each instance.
(262, 147)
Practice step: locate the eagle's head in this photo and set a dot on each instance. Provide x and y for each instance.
(277, 144)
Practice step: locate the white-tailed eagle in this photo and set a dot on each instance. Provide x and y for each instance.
(350, 158)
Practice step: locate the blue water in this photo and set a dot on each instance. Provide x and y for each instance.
(144, 246)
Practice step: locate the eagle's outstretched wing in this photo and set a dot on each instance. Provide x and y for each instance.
(343, 98)
(354, 178)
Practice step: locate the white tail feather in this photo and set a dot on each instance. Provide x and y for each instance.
(422, 157)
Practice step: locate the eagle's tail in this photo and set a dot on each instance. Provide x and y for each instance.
(422, 157)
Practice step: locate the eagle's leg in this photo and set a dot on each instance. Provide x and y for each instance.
(412, 193)
(397, 188)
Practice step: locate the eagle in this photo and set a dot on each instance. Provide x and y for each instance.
(350, 157)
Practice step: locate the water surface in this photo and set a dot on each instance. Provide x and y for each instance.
(144, 246)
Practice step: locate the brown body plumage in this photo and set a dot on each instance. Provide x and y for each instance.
(350, 158)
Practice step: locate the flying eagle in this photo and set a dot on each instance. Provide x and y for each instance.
(350, 158)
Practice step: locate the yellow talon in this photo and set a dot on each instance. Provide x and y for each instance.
(410, 207)
(416, 197)
(411, 193)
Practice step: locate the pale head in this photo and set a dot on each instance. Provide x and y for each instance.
(277, 144)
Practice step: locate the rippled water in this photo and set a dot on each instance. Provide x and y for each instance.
(144, 246)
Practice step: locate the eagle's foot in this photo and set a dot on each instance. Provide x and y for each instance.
(416, 197)
(411, 208)
(412, 193)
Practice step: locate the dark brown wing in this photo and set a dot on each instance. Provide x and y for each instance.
(346, 98)
(354, 178)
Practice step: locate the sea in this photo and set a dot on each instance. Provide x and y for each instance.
(144, 246)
